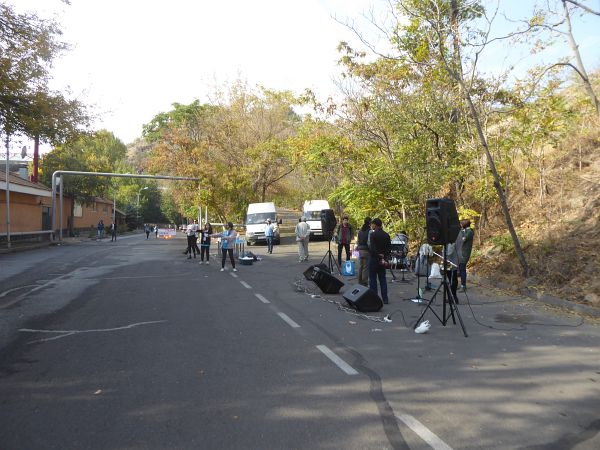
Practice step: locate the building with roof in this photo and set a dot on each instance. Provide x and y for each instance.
(30, 206)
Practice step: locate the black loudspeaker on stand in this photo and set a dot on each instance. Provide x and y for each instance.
(442, 228)
(362, 298)
(442, 222)
(328, 223)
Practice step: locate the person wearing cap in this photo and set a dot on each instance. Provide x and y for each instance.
(380, 246)
(227, 243)
(269, 233)
(302, 237)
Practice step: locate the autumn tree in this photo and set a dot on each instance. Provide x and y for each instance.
(435, 29)
(28, 45)
(237, 145)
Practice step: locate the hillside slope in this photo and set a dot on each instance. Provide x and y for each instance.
(560, 234)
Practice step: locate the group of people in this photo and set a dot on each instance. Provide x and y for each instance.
(151, 229)
(112, 229)
(195, 233)
(373, 244)
(374, 247)
(204, 235)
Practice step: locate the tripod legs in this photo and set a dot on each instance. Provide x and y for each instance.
(448, 299)
(331, 262)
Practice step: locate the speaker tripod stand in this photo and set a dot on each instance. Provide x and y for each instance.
(331, 262)
(448, 299)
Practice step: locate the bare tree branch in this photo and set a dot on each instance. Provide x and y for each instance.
(584, 7)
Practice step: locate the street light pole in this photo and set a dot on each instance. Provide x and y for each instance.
(138, 203)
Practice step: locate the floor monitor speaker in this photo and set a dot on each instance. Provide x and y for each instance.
(326, 282)
(308, 273)
(362, 298)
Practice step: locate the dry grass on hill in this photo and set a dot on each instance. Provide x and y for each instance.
(561, 237)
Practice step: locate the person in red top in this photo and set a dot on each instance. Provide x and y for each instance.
(343, 237)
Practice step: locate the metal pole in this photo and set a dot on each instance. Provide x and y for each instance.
(60, 205)
(137, 212)
(52, 218)
(114, 207)
(7, 192)
(103, 174)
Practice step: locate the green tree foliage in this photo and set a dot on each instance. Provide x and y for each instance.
(98, 152)
(28, 45)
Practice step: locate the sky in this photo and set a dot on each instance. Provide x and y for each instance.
(132, 59)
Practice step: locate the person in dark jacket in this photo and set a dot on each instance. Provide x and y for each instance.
(205, 242)
(100, 228)
(380, 245)
(362, 245)
(344, 235)
(113, 231)
(466, 237)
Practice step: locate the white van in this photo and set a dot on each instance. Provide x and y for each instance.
(312, 212)
(256, 219)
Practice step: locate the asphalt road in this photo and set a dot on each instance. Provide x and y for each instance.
(133, 346)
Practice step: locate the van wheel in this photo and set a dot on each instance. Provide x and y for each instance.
(249, 243)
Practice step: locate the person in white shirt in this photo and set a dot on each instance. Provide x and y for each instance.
(302, 237)
(192, 246)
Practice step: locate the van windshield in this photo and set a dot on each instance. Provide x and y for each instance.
(253, 219)
(312, 215)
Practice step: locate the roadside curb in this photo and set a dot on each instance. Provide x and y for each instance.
(540, 296)
(16, 248)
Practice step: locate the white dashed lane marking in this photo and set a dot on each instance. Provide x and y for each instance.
(289, 321)
(347, 368)
(246, 285)
(262, 299)
(423, 432)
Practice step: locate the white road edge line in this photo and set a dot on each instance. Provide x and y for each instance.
(246, 285)
(262, 299)
(423, 432)
(233, 274)
(347, 368)
(289, 321)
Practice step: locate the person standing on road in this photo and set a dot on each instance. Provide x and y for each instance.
(380, 246)
(147, 230)
(228, 238)
(453, 252)
(191, 233)
(156, 231)
(113, 231)
(302, 237)
(362, 245)
(269, 233)
(344, 236)
(205, 242)
(466, 237)
(100, 228)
